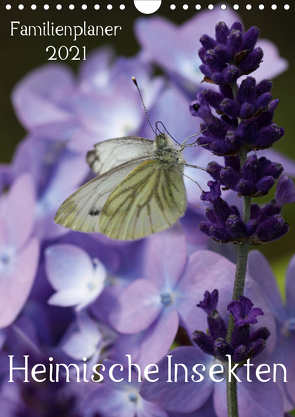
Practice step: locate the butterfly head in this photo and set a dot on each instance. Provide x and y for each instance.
(161, 140)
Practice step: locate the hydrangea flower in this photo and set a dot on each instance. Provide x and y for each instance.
(112, 399)
(19, 252)
(57, 172)
(83, 339)
(43, 101)
(284, 316)
(77, 278)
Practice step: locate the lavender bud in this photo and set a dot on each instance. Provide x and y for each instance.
(222, 348)
(261, 333)
(216, 325)
(257, 347)
(205, 342)
(269, 229)
(241, 354)
(207, 42)
(252, 61)
(230, 107)
(235, 41)
(221, 33)
(264, 86)
(250, 38)
(247, 111)
(213, 168)
(247, 91)
(229, 177)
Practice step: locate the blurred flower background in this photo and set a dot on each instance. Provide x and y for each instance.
(66, 294)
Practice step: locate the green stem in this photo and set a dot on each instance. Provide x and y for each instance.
(232, 399)
(239, 282)
(243, 249)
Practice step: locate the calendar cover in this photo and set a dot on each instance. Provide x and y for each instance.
(147, 224)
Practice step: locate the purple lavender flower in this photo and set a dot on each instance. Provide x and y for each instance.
(255, 179)
(210, 301)
(231, 54)
(252, 106)
(225, 224)
(242, 346)
(19, 252)
(243, 312)
(173, 47)
(270, 224)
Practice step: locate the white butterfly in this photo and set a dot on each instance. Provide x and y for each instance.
(139, 190)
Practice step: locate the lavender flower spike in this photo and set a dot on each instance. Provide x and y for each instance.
(231, 55)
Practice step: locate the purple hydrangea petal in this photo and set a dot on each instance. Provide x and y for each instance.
(290, 288)
(179, 396)
(17, 279)
(195, 282)
(148, 409)
(156, 35)
(264, 398)
(94, 71)
(287, 355)
(261, 272)
(207, 410)
(273, 64)
(111, 402)
(82, 339)
(61, 185)
(77, 279)
(160, 266)
(43, 98)
(67, 265)
(285, 191)
(18, 211)
(144, 309)
(150, 345)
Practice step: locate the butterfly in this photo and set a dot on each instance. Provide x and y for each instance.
(139, 189)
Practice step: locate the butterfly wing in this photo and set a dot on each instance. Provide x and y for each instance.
(114, 152)
(82, 210)
(151, 198)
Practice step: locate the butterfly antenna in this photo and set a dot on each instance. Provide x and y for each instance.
(166, 131)
(146, 113)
